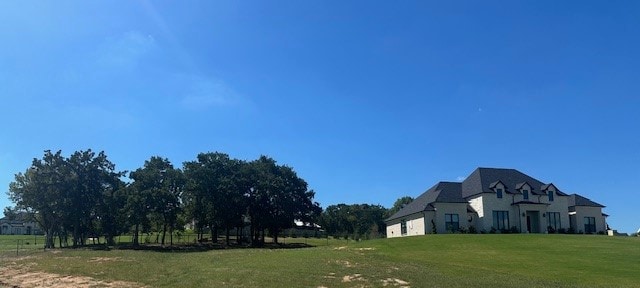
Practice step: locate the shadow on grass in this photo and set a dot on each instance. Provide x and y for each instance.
(186, 248)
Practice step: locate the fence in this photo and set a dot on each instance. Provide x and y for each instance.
(12, 245)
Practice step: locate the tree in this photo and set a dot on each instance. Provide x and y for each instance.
(276, 198)
(110, 211)
(213, 195)
(357, 220)
(157, 189)
(63, 193)
(399, 204)
(11, 213)
(89, 177)
(40, 190)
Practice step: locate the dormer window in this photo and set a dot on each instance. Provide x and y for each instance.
(498, 187)
(525, 194)
(550, 196)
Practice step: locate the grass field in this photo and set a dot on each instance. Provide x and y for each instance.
(20, 244)
(427, 261)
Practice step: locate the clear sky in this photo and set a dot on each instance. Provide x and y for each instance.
(368, 101)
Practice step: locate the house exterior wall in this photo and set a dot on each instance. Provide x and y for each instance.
(476, 203)
(577, 218)
(18, 228)
(559, 204)
(521, 217)
(491, 202)
(450, 208)
(415, 226)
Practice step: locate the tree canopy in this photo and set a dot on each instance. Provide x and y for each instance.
(83, 196)
(399, 204)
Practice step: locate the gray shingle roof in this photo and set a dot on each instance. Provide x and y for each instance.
(483, 179)
(577, 200)
(443, 192)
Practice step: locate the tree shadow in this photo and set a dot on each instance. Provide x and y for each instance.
(195, 247)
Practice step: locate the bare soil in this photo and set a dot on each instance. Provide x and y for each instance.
(14, 275)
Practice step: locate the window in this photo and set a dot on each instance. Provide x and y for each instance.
(554, 220)
(499, 193)
(403, 227)
(501, 220)
(550, 196)
(525, 194)
(589, 225)
(452, 222)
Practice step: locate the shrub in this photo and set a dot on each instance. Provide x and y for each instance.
(493, 230)
(472, 230)
(550, 230)
(514, 229)
(462, 230)
(562, 231)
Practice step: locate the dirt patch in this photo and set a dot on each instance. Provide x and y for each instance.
(345, 263)
(22, 276)
(395, 282)
(354, 277)
(330, 276)
(366, 249)
(105, 259)
(340, 248)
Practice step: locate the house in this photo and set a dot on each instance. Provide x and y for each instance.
(18, 227)
(304, 229)
(493, 200)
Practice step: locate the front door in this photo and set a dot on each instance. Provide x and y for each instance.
(533, 221)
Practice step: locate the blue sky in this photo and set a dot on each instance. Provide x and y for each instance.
(368, 101)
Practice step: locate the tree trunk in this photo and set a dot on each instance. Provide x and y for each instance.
(275, 236)
(135, 235)
(75, 235)
(213, 228)
(164, 232)
(49, 241)
(110, 240)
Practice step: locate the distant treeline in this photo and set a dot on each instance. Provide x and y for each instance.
(359, 221)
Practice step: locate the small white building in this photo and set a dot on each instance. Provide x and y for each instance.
(494, 200)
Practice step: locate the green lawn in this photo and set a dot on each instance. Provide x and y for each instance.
(20, 244)
(426, 261)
